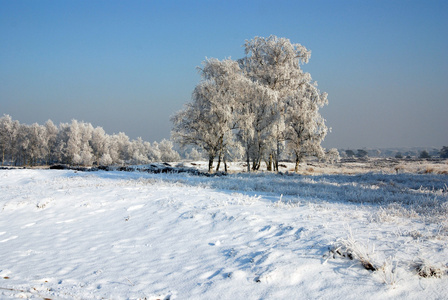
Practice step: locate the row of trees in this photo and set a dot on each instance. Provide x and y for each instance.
(362, 153)
(263, 105)
(75, 143)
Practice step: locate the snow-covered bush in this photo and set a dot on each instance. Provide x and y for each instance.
(332, 155)
(194, 155)
(167, 152)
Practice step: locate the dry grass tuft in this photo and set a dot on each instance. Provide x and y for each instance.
(427, 270)
(353, 250)
(429, 170)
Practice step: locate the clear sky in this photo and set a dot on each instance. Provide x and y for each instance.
(129, 65)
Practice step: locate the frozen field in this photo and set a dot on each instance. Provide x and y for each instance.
(133, 235)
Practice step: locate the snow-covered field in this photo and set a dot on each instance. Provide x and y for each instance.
(133, 235)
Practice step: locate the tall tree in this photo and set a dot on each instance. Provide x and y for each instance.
(275, 63)
(207, 120)
(52, 134)
(6, 136)
(255, 120)
(305, 127)
(37, 143)
(99, 144)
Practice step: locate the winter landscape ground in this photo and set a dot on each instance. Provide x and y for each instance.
(341, 232)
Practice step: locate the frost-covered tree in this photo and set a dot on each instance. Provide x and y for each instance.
(99, 145)
(52, 135)
(275, 63)
(207, 120)
(78, 150)
(7, 134)
(168, 154)
(119, 150)
(152, 151)
(137, 152)
(255, 121)
(61, 153)
(305, 128)
(332, 155)
(9, 139)
(87, 157)
(73, 145)
(37, 143)
(23, 143)
(194, 155)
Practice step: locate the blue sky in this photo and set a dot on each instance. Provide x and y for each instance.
(129, 65)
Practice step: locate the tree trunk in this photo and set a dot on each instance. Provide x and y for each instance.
(277, 156)
(247, 157)
(210, 163)
(259, 163)
(274, 162)
(219, 162)
(269, 163)
(225, 164)
(296, 168)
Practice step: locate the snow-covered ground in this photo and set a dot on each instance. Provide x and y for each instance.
(133, 235)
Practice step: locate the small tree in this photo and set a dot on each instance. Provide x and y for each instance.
(99, 145)
(168, 154)
(424, 154)
(350, 153)
(332, 155)
(361, 153)
(52, 135)
(9, 130)
(444, 152)
(305, 127)
(275, 63)
(194, 155)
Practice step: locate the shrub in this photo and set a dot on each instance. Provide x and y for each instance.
(424, 154)
(444, 152)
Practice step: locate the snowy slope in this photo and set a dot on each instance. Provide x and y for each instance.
(131, 235)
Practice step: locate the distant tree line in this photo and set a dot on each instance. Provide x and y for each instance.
(424, 154)
(75, 143)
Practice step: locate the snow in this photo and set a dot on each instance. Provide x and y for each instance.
(133, 235)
